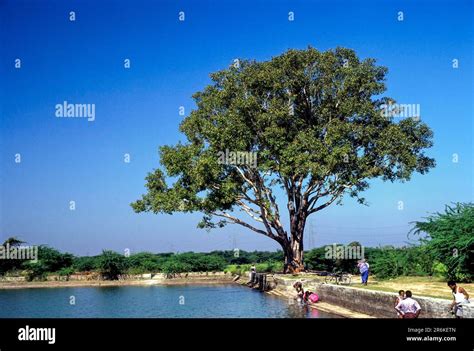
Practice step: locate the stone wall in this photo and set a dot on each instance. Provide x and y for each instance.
(376, 303)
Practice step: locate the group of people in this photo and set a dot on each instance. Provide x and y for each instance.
(405, 305)
(307, 297)
(408, 308)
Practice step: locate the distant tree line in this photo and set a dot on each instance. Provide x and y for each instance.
(445, 249)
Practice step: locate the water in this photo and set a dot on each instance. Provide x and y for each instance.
(223, 301)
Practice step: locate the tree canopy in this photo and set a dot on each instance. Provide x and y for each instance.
(315, 121)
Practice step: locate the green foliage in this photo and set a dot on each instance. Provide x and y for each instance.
(49, 261)
(193, 262)
(247, 109)
(173, 267)
(385, 262)
(245, 257)
(66, 272)
(144, 262)
(11, 265)
(389, 262)
(263, 267)
(35, 271)
(311, 117)
(270, 267)
(53, 260)
(111, 264)
(439, 269)
(237, 269)
(450, 238)
(315, 259)
(86, 263)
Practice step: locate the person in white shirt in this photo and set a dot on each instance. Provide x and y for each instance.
(408, 307)
(460, 299)
(363, 266)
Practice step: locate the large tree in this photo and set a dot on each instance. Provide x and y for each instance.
(316, 122)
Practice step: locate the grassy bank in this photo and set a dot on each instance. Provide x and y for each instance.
(419, 286)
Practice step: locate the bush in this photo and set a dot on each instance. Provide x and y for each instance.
(173, 267)
(86, 263)
(35, 271)
(450, 239)
(53, 260)
(269, 267)
(66, 272)
(193, 262)
(111, 265)
(315, 259)
(439, 269)
(49, 261)
(390, 262)
(237, 269)
(144, 262)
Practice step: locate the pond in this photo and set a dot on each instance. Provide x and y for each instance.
(184, 301)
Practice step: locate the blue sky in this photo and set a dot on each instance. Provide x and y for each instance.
(137, 110)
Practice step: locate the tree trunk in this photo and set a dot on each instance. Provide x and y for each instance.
(293, 252)
(293, 248)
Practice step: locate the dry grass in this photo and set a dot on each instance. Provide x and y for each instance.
(421, 286)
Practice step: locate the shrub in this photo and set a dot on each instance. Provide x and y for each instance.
(450, 239)
(143, 262)
(173, 267)
(237, 269)
(66, 272)
(86, 263)
(35, 271)
(111, 264)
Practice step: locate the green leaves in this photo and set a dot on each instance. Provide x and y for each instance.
(111, 264)
(315, 121)
(451, 239)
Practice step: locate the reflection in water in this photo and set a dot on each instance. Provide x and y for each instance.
(302, 310)
(314, 313)
(299, 309)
